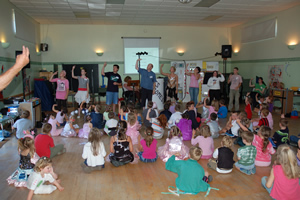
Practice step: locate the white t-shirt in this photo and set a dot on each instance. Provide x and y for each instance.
(215, 80)
(112, 123)
(214, 128)
(235, 127)
(221, 171)
(35, 182)
(175, 116)
(92, 160)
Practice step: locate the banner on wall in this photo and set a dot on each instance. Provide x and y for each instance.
(275, 75)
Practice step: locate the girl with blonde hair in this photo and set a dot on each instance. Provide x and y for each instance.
(283, 182)
(202, 138)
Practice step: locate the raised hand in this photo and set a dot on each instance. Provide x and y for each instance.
(73, 67)
(23, 59)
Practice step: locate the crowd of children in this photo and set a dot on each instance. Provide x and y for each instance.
(129, 142)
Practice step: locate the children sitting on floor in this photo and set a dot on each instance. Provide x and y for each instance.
(214, 125)
(166, 111)
(269, 117)
(111, 124)
(203, 138)
(248, 102)
(174, 145)
(263, 120)
(185, 126)
(22, 124)
(222, 113)
(87, 126)
(263, 146)
(224, 156)
(93, 152)
(231, 128)
(191, 174)
(192, 115)
(69, 130)
(153, 114)
(281, 136)
(147, 147)
(176, 116)
(96, 116)
(246, 155)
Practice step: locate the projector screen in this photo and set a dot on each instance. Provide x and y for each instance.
(134, 45)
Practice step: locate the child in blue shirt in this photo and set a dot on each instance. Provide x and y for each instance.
(97, 117)
(222, 113)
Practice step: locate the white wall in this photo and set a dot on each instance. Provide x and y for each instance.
(7, 56)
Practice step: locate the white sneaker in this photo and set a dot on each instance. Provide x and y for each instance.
(78, 116)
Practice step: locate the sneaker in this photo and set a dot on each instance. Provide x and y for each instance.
(222, 133)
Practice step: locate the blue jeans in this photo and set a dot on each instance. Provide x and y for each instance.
(263, 183)
(194, 94)
(140, 154)
(294, 139)
(112, 98)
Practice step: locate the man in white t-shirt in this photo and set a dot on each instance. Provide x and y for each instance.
(236, 82)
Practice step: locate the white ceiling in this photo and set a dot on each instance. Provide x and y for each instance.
(150, 12)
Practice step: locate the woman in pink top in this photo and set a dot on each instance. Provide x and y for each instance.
(263, 146)
(283, 182)
(194, 85)
(204, 140)
(62, 90)
(148, 147)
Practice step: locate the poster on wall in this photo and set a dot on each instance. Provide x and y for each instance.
(275, 75)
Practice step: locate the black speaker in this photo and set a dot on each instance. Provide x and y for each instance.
(226, 51)
(20, 52)
(44, 47)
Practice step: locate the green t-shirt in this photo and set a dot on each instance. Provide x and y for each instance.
(260, 87)
(190, 175)
(247, 155)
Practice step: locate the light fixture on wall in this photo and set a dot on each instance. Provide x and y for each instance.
(5, 44)
(180, 53)
(99, 53)
(185, 1)
(292, 46)
(236, 52)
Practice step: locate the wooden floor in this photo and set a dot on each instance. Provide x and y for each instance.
(132, 181)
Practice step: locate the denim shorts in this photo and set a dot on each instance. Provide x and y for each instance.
(112, 98)
(140, 154)
(243, 166)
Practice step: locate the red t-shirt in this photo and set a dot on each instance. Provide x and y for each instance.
(248, 111)
(42, 144)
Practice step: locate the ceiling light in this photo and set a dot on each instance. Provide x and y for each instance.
(185, 1)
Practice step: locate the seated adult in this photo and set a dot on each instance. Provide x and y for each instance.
(259, 88)
(129, 89)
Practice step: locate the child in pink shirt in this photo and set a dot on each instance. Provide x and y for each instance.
(263, 146)
(203, 138)
(283, 182)
(147, 147)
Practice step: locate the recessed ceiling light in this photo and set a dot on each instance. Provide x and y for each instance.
(185, 1)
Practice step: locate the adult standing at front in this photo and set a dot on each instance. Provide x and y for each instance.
(194, 84)
(214, 85)
(62, 90)
(236, 82)
(172, 87)
(112, 90)
(82, 96)
(259, 88)
(148, 82)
